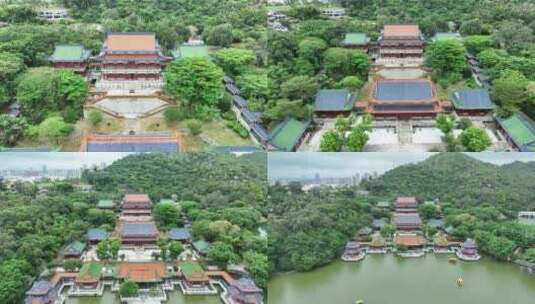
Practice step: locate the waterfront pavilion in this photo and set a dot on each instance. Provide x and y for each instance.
(145, 274)
(195, 278)
(88, 279)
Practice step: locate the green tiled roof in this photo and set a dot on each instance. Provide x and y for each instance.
(383, 204)
(70, 52)
(521, 130)
(446, 36)
(202, 246)
(190, 268)
(188, 50)
(355, 39)
(286, 135)
(105, 204)
(75, 247)
(90, 270)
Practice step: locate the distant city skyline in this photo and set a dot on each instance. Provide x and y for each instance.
(331, 165)
(56, 160)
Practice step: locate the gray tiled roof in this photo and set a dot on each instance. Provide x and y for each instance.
(407, 219)
(472, 99)
(96, 234)
(139, 229)
(179, 234)
(403, 90)
(334, 100)
(133, 147)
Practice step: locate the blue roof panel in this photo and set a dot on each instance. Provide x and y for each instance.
(133, 147)
(403, 90)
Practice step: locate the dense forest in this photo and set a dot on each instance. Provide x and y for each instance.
(476, 199)
(221, 194)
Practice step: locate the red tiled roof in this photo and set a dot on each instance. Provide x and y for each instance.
(410, 240)
(401, 30)
(406, 200)
(142, 272)
(131, 42)
(136, 198)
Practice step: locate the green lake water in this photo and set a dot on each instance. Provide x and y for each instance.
(387, 279)
(174, 297)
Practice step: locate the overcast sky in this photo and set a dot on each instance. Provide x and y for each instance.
(56, 160)
(297, 165)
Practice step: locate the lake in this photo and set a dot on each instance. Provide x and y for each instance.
(387, 279)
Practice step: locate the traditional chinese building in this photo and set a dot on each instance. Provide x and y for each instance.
(406, 204)
(468, 251)
(356, 41)
(403, 98)
(136, 204)
(412, 241)
(89, 276)
(96, 235)
(407, 221)
(332, 103)
(194, 275)
(72, 57)
(245, 291)
(519, 131)
(41, 292)
(401, 44)
(182, 235)
(352, 251)
(138, 233)
(144, 274)
(131, 56)
(472, 102)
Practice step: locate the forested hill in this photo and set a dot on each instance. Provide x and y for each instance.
(213, 180)
(462, 180)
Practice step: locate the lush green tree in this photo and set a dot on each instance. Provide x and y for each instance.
(195, 127)
(73, 92)
(257, 265)
(352, 83)
(299, 87)
(471, 27)
(340, 62)
(331, 142)
(282, 108)
(11, 64)
(221, 254)
(220, 35)
(446, 57)
(477, 43)
(173, 115)
(95, 117)
(529, 255)
(175, 249)
(428, 211)
(357, 139)
(233, 60)
(11, 129)
(128, 289)
(445, 123)
(475, 139)
(37, 92)
(196, 82)
(510, 90)
(14, 278)
(311, 49)
(54, 129)
(514, 36)
(42, 90)
(388, 230)
(166, 214)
